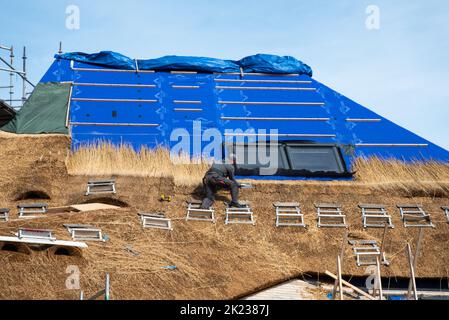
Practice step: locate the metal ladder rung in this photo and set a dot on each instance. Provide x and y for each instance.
(240, 213)
(372, 206)
(200, 210)
(362, 242)
(367, 248)
(377, 216)
(405, 206)
(412, 212)
(368, 253)
(286, 204)
(416, 218)
(332, 215)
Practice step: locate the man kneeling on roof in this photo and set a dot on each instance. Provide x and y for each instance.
(221, 176)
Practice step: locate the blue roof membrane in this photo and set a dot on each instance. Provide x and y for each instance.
(291, 103)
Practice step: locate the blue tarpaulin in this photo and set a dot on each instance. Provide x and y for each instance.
(200, 64)
(108, 59)
(263, 63)
(267, 63)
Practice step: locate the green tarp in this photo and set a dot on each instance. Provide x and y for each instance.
(44, 112)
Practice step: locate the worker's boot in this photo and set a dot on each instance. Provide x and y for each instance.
(236, 205)
(207, 203)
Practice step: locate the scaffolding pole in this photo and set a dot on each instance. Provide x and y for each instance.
(11, 76)
(24, 78)
(11, 68)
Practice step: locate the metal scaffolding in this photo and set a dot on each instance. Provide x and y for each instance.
(7, 66)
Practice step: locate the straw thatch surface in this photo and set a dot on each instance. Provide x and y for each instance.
(213, 261)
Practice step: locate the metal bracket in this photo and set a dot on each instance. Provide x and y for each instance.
(239, 215)
(101, 187)
(38, 234)
(367, 252)
(330, 215)
(156, 221)
(4, 215)
(26, 209)
(414, 216)
(195, 213)
(288, 214)
(84, 233)
(375, 216)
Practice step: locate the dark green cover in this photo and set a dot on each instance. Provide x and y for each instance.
(44, 112)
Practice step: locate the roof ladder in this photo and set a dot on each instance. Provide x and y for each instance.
(243, 215)
(30, 209)
(288, 214)
(446, 212)
(101, 187)
(196, 213)
(330, 215)
(367, 252)
(375, 216)
(155, 221)
(4, 215)
(84, 233)
(413, 215)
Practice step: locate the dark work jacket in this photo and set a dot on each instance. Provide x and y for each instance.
(222, 170)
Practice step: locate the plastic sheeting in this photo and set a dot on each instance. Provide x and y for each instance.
(107, 59)
(267, 63)
(263, 63)
(200, 64)
(44, 112)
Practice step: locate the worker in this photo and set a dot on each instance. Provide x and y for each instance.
(221, 176)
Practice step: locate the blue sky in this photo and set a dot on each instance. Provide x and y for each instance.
(400, 71)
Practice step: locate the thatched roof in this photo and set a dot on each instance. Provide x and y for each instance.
(213, 261)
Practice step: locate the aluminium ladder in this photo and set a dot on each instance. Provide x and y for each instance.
(288, 214)
(196, 213)
(30, 209)
(4, 215)
(80, 232)
(367, 252)
(155, 221)
(243, 215)
(375, 216)
(101, 187)
(413, 215)
(330, 215)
